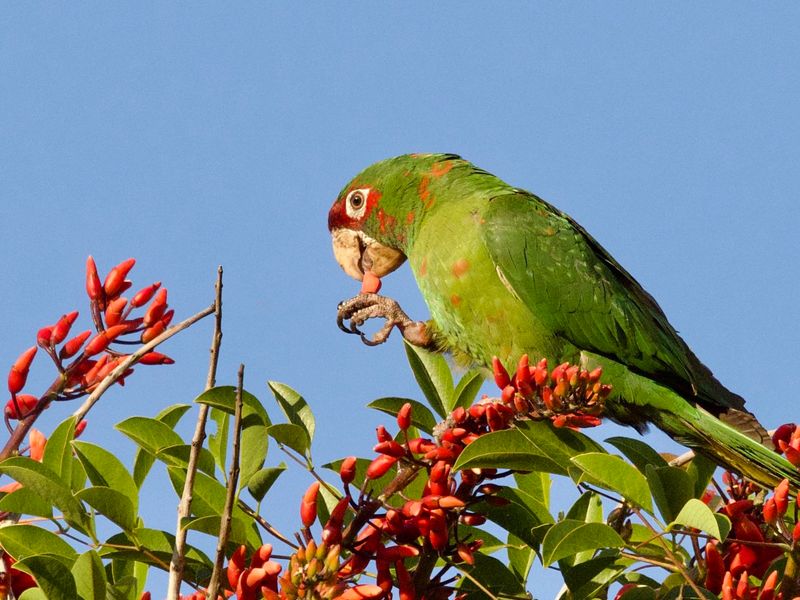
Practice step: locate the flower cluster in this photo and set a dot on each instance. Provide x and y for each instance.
(568, 395)
(85, 359)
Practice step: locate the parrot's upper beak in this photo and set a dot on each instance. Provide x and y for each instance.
(356, 252)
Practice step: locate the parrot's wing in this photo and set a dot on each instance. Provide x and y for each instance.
(578, 290)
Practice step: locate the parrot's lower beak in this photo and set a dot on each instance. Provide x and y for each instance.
(356, 253)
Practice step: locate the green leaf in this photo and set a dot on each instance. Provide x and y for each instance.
(535, 484)
(144, 460)
(28, 540)
(467, 389)
(671, 488)
(569, 537)
(490, 545)
(559, 444)
(291, 435)
(639, 593)
(507, 449)
(433, 376)
(52, 576)
(421, 416)
(520, 557)
(210, 526)
(262, 480)
(104, 469)
(493, 575)
(590, 578)
(294, 406)
(33, 594)
(44, 482)
(26, 502)
(110, 503)
(218, 441)
(90, 576)
(696, 514)
(179, 456)
(58, 452)
(521, 516)
(151, 435)
(639, 453)
(589, 509)
(613, 473)
(701, 469)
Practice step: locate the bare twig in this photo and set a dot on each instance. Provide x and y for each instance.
(233, 481)
(126, 364)
(185, 505)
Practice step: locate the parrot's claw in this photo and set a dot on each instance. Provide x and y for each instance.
(361, 308)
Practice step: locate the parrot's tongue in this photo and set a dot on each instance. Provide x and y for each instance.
(371, 283)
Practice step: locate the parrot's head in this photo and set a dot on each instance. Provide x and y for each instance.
(373, 219)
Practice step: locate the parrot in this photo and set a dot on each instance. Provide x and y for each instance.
(504, 273)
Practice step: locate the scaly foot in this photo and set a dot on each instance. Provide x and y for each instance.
(363, 307)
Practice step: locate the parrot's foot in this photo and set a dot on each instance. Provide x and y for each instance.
(359, 309)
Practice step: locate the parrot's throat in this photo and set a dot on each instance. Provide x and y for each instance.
(356, 253)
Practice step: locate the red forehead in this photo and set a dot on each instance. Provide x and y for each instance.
(338, 217)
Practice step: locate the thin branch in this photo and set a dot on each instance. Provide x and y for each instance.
(178, 560)
(126, 364)
(233, 481)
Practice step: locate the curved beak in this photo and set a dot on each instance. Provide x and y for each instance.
(356, 253)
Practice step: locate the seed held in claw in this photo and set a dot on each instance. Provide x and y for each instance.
(371, 284)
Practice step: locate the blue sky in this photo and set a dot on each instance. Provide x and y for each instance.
(189, 136)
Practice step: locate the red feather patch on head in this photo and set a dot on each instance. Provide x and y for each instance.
(339, 217)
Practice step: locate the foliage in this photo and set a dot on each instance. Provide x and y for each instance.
(454, 502)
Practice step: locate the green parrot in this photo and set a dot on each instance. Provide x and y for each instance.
(504, 274)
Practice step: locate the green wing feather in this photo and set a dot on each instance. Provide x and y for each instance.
(571, 282)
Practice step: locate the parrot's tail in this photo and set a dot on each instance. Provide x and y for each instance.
(733, 449)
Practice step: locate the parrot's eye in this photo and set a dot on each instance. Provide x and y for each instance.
(356, 203)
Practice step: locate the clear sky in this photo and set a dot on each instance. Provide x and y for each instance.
(192, 135)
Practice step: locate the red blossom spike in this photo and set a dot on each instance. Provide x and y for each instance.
(60, 330)
(101, 341)
(382, 434)
(404, 417)
(80, 427)
(347, 471)
(715, 569)
(43, 336)
(155, 358)
(153, 332)
(770, 512)
(523, 374)
(236, 566)
(782, 497)
(144, 295)
(501, 377)
(115, 280)
(379, 467)
(167, 318)
(73, 346)
(114, 311)
(390, 448)
(261, 556)
(94, 288)
(18, 374)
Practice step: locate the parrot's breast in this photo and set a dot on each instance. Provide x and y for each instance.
(473, 307)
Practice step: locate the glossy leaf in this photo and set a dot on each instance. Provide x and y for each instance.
(294, 406)
(521, 557)
(701, 469)
(21, 540)
(58, 452)
(559, 444)
(671, 488)
(521, 516)
(569, 537)
(52, 575)
(144, 460)
(150, 434)
(179, 456)
(104, 469)
(291, 435)
(421, 416)
(90, 576)
(588, 579)
(636, 451)
(493, 575)
(218, 441)
(112, 504)
(467, 389)
(507, 449)
(696, 514)
(613, 473)
(536, 484)
(26, 502)
(262, 480)
(433, 376)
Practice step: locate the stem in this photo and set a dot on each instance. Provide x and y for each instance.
(233, 481)
(178, 560)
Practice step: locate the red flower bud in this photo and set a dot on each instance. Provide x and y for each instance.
(770, 512)
(261, 556)
(155, 358)
(60, 330)
(347, 471)
(465, 553)
(768, 587)
(114, 311)
(101, 341)
(308, 506)
(18, 374)
(43, 336)
(153, 332)
(796, 532)
(390, 448)
(523, 374)
(167, 318)
(25, 402)
(405, 583)
(781, 497)
(783, 433)
(379, 467)
(472, 519)
(80, 427)
(156, 309)
(404, 417)
(73, 346)
(365, 591)
(501, 377)
(93, 286)
(382, 434)
(397, 552)
(115, 280)
(144, 295)
(420, 445)
(451, 502)
(715, 569)
(236, 566)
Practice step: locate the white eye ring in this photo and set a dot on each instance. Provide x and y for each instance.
(356, 203)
